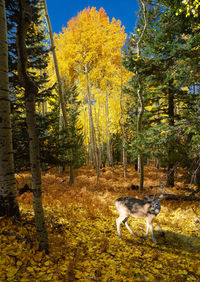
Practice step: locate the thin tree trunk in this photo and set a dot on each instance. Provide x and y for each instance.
(44, 108)
(108, 132)
(25, 17)
(124, 154)
(43, 104)
(35, 169)
(156, 162)
(170, 173)
(140, 97)
(98, 131)
(99, 135)
(60, 87)
(71, 175)
(92, 130)
(139, 130)
(8, 193)
(61, 167)
(86, 134)
(90, 156)
(53, 49)
(71, 169)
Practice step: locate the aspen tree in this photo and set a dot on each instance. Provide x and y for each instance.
(60, 89)
(124, 153)
(109, 158)
(97, 122)
(140, 95)
(89, 51)
(92, 129)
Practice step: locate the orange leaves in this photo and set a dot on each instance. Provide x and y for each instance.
(82, 234)
(102, 13)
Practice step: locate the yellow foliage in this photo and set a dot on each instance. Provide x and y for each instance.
(83, 238)
(192, 7)
(91, 44)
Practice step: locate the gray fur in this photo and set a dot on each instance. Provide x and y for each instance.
(147, 209)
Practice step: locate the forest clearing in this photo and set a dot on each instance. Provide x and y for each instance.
(83, 241)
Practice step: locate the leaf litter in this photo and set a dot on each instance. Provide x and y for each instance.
(82, 233)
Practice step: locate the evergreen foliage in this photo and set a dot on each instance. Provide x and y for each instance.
(169, 69)
(169, 66)
(70, 143)
(37, 64)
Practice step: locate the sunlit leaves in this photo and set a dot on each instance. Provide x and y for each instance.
(192, 7)
(92, 43)
(83, 238)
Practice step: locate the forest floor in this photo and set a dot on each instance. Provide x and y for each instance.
(83, 241)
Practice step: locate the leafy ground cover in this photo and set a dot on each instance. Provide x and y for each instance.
(82, 233)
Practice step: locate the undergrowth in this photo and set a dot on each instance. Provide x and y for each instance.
(82, 233)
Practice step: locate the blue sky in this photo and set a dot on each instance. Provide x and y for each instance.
(61, 11)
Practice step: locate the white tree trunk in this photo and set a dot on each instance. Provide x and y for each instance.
(60, 89)
(140, 97)
(97, 121)
(124, 153)
(109, 157)
(92, 130)
(8, 194)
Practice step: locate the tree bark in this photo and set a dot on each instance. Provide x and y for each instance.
(124, 153)
(61, 166)
(108, 143)
(92, 130)
(31, 91)
(60, 87)
(140, 97)
(8, 193)
(71, 175)
(170, 172)
(139, 130)
(98, 131)
(53, 49)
